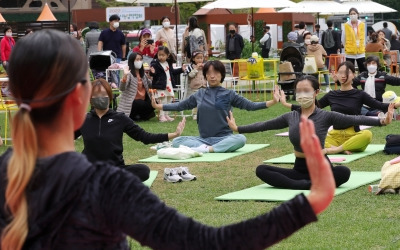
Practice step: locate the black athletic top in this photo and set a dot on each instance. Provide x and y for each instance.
(74, 204)
(102, 137)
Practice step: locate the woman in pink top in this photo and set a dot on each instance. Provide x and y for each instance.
(7, 44)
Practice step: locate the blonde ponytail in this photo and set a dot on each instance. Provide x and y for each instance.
(19, 172)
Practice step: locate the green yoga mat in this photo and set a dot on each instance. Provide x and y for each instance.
(153, 176)
(371, 149)
(211, 157)
(265, 192)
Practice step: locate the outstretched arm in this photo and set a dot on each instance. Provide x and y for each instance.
(179, 129)
(275, 98)
(323, 184)
(154, 104)
(282, 99)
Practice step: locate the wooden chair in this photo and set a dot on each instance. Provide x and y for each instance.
(394, 66)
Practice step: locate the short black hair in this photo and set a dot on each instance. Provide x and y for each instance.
(218, 66)
(317, 26)
(302, 25)
(329, 23)
(267, 27)
(385, 25)
(372, 58)
(7, 28)
(114, 17)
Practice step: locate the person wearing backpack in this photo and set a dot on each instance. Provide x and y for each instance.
(330, 41)
(265, 41)
(300, 33)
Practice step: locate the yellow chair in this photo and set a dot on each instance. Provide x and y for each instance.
(7, 105)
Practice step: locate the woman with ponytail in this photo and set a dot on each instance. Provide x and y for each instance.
(52, 197)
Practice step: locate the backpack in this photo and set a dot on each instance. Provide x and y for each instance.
(329, 41)
(300, 38)
(392, 145)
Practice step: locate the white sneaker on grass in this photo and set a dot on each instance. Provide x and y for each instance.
(185, 175)
(171, 175)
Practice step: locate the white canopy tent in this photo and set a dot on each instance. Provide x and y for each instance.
(250, 4)
(363, 7)
(316, 6)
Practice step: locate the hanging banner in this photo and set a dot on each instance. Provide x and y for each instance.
(127, 14)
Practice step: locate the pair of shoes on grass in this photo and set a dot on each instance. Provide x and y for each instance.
(178, 174)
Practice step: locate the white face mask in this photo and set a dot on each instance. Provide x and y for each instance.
(372, 68)
(353, 17)
(138, 64)
(166, 24)
(305, 99)
(116, 25)
(307, 41)
(9, 34)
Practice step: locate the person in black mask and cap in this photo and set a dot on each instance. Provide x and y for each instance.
(234, 43)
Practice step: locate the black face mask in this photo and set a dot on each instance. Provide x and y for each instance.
(232, 31)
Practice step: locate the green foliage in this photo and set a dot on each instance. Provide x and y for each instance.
(286, 28)
(392, 17)
(258, 29)
(247, 50)
(111, 3)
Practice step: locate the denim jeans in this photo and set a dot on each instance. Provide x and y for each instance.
(229, 143)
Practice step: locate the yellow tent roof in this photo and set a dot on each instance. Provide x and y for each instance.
(2, 20)
(46, 14)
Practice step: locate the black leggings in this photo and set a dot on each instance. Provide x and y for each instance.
(140, 170)
(298, 177)
(360, 63)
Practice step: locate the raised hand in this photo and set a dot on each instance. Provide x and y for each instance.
(322, 182)
(231, 122)
(389, 114)
(180, 127)
(126, 70)
(154, 103)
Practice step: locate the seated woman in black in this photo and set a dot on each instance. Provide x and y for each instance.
(374, 83)
(307, 89)
(104, 128)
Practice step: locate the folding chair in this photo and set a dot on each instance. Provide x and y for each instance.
(229, 76)
(394, 66)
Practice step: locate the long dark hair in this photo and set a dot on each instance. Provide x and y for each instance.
(349, 67)
(193, 23)
(41, 76)
(131, 64)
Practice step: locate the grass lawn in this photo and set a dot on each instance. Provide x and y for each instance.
(355, 220)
